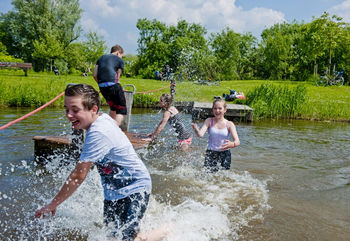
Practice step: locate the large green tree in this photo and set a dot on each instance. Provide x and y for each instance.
(159, 44)
(277, 46)
(36, 27)
(233, 53)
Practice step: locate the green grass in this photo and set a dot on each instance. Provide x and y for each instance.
(271, 99)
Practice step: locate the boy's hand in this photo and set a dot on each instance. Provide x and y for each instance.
(47, 209)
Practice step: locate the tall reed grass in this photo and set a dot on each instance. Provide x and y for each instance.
(273, 101)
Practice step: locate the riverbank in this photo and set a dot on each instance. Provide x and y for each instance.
(329, 103)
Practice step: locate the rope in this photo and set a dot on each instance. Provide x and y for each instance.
(150, 91)
(54, 99)
(31, 113)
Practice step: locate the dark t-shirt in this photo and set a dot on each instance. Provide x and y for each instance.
(108, 66)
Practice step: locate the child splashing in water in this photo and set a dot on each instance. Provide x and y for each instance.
(171, 116)
(125, 178)
(218, 153)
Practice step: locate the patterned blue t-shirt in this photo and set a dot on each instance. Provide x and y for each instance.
(122, 171)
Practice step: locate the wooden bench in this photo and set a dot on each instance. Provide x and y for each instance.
(24, 66)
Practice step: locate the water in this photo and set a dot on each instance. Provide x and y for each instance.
(289, 180)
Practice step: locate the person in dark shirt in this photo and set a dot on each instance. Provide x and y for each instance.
(107, 73)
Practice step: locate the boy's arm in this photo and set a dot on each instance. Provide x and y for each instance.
(204, 128)
(161, 125)
(119, 73)
(74, 180)
(95, 73)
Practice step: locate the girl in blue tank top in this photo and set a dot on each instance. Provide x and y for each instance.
(218, 153)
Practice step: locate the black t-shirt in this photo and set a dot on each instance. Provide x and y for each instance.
(108, 66)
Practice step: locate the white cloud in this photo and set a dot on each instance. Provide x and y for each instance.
(118, 17)
(89, 24)
(342, 10)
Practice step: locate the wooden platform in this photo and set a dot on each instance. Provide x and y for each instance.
(45, 146)
(203, 110)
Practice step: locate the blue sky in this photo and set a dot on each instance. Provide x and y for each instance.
(115, 20)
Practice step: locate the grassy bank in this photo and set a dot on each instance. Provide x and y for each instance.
(270, 99)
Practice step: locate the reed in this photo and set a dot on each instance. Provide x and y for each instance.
(273, 101)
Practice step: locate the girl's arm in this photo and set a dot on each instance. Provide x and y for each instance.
(231, 144)
(161, 125)
(204, 128)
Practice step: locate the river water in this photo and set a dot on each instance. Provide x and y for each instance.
(289, 180)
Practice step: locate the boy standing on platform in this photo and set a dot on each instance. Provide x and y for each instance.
(107, 73)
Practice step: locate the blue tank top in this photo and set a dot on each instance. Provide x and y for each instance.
(217, 137)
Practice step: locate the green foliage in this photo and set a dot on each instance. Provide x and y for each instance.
(197, 64)
(130, 61)
(40, 27)
(159, 44)
(62, 66)
(233, 52)
(5, 57)
(94, 47)
(277, 46)
(145, 100)
(274, 101)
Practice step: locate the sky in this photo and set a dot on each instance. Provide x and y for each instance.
(115, 20)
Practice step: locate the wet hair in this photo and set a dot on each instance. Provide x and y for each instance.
(117, 48)
(219, 100)
(89, 95)
(167, 99)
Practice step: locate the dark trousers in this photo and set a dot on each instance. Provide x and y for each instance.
(126, 214)
(215, 160)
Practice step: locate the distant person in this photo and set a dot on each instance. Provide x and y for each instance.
(125, 179)
(171, 115)
(55, 70)
(218, 155)
(107, 74)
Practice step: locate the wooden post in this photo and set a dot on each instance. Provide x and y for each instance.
(129, 96)
(172, 89)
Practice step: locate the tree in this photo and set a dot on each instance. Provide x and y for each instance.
(47, 49)
(28, 27)
(159, 44)
(95, 47)
(5, 57)
(323, 43)
(277, 45)
(233, 52)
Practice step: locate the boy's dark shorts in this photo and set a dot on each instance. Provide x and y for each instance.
(126, 215)
(215, 160)
(115, 98)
